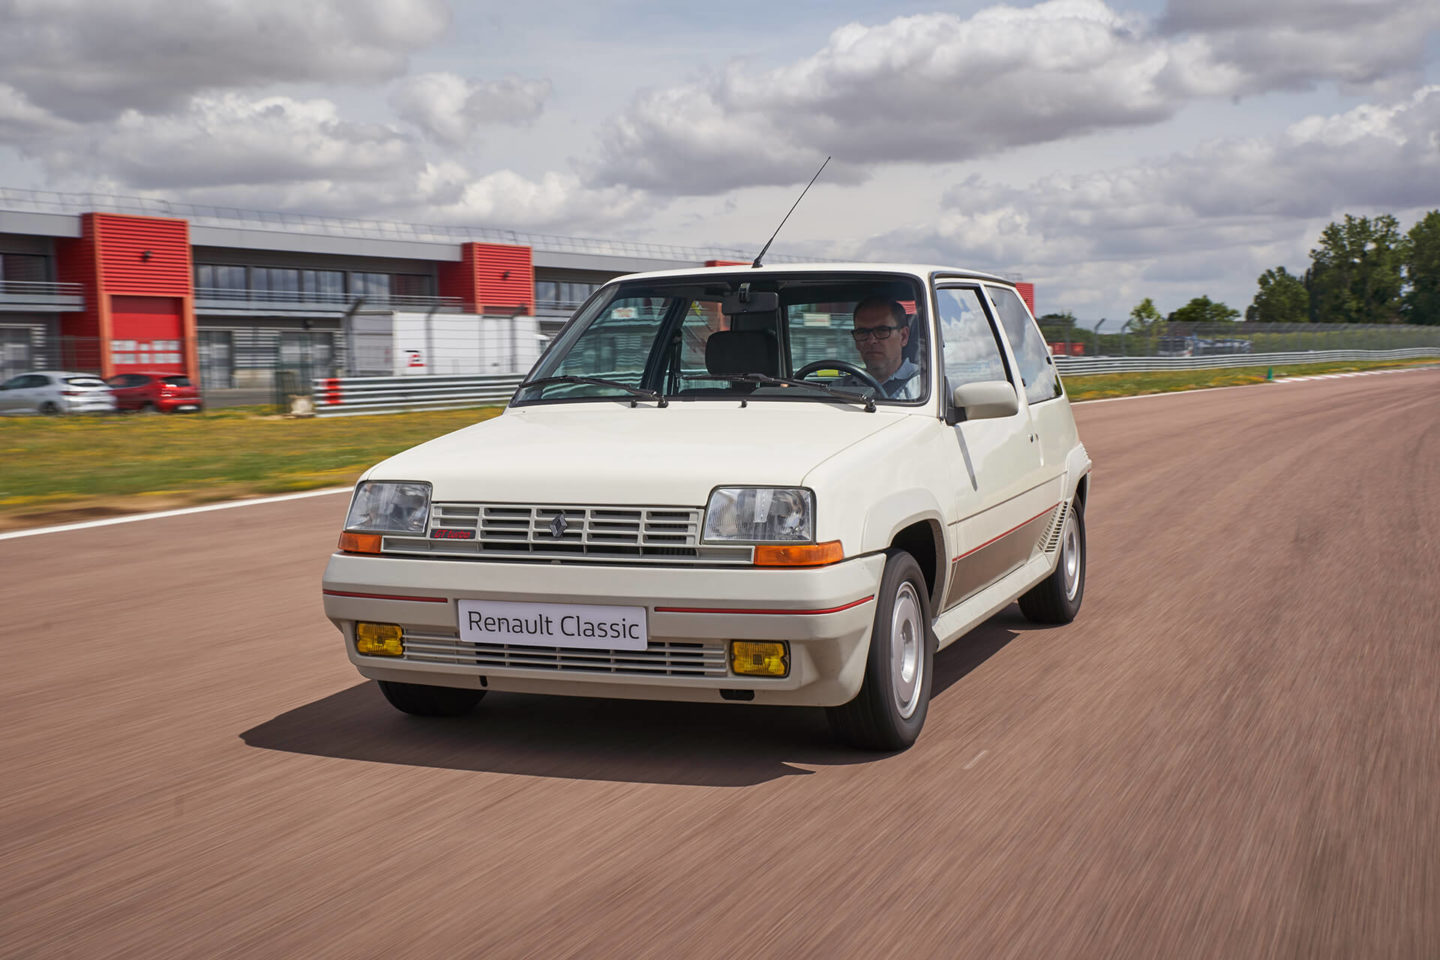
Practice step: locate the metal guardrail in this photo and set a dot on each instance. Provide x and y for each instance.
(352, 396)
(1090, 366)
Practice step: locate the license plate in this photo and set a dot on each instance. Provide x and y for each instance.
(186, 407)
(591, 627)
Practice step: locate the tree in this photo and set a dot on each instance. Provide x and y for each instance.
(1203, 310)
(1282, 299)
(1422, 270)
(1354, 274)
(1144, 316)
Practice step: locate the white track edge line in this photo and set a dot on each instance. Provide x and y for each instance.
(183, 511)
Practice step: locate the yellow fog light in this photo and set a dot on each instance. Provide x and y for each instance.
(753, 659)
(379, 640)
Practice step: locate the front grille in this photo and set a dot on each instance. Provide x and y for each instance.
(593, 533)
(660, 658)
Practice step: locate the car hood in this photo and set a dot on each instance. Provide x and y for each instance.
(616, 454)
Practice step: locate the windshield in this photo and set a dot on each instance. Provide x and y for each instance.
(824, 338)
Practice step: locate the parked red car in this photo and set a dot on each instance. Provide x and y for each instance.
(165, 392)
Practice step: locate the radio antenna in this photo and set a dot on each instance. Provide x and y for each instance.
(766, 248)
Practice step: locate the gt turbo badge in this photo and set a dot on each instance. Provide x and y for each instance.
(442, 534)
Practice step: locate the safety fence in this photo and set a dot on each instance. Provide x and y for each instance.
(1090, 366)
(349, 396)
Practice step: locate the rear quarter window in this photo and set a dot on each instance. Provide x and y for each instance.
(1032, 354)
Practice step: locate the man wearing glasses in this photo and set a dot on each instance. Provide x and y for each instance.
(881, 333)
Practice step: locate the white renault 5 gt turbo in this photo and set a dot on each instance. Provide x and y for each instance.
(777, 485)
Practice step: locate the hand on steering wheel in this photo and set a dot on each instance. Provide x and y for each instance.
(855, 370)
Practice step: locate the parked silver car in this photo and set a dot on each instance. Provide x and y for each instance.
(56, 391)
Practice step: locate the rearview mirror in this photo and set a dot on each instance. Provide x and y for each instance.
(746, 300)
(986, 399)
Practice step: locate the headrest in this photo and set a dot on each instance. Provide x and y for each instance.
(734, 352)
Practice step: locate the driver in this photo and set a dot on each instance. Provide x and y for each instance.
(881, 332)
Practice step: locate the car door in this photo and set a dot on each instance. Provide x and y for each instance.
(20, 395)
(1051, 421)
(10, 394)
(997, 509)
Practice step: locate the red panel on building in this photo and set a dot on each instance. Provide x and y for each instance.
(726, 263)
(1027, 293)
(147, 333)
(117, 255)
(491, 277)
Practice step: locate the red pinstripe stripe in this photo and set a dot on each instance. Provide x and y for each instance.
(847, 606)
(1003, 535)
(384, 596)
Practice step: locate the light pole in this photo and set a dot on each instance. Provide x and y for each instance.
(1097, 336)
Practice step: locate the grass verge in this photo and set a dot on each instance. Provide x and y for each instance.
(57, 470)
(1101, 386)
(62, 470)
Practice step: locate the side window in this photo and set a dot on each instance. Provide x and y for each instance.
(1031, 353)
(971, 352)
(702, 318)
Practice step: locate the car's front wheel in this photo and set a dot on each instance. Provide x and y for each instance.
(1056, 599)
(889, 711)
(423, 700)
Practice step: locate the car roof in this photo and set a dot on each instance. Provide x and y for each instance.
(923, 271)
(61, 373)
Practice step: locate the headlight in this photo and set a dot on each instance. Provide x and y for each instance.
(386, 506)
(760, 515)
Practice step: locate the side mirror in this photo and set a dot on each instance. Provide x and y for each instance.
(986, 399)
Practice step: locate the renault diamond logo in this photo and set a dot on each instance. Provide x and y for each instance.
(557, 526)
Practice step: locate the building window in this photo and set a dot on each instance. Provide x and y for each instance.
(324, 284)
(282, 281)
(375, 285)
(220, 280)
(24, 268)
(411, 285)
(547, 293)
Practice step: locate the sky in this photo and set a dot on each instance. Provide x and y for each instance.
(1105, 151)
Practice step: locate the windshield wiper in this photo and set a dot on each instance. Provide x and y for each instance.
(599, 382)
(770, 381)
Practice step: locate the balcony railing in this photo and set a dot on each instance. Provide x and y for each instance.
(231, 299)
(32, 295)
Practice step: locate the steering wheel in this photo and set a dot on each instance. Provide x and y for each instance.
(855, 370)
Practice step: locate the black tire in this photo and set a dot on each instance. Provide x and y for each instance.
(49, 409)
(882, 717)
(423, 700)
(1056, 599)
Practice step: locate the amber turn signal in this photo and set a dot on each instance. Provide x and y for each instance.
(798, 554)
(755, 659)
(359, 543)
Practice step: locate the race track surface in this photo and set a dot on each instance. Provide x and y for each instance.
(1233, 752)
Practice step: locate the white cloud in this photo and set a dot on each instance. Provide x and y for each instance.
(22, 122)
(231, 140)
(279, 153)
(91, 59)
(939, 88)
(449, 108)
(1205, 221)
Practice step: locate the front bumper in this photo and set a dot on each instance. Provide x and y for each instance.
(824, 613)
